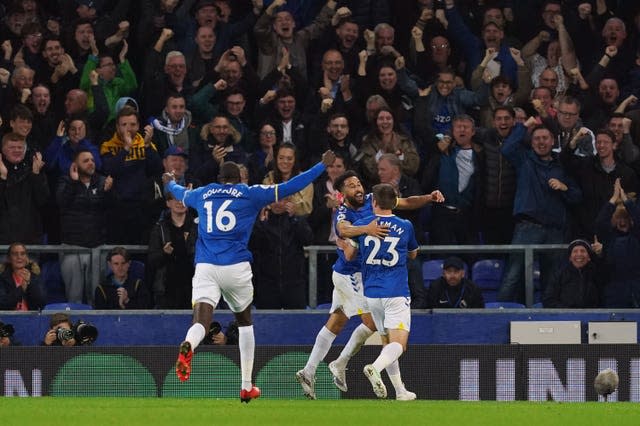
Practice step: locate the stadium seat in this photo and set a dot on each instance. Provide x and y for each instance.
(324, 306)
(51, 277)
(67, 307)
(487, 274)
(431, 270)
(504, 305)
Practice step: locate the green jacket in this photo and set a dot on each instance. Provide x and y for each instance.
(122, 85)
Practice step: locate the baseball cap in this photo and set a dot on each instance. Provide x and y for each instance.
(204, 3)
(453, 262)
(175, 150)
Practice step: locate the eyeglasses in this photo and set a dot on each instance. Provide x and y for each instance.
(440, 46)
(567, 113)
(268, 133)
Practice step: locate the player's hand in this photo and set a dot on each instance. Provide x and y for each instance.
(374, 229)
(342, 243)
(328, 158)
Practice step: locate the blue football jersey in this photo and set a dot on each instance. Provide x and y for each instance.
(227, 213)
(342, 265)
(384, 261)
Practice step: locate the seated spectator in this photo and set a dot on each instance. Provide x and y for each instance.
(617, 225)
(453, 290)
(577, 284)
(23, 191)
(20, 286)
(171, 255)
(119, 291)
(60, 331)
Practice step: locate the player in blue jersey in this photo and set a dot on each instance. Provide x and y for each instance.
(386, 281)
(227, 212)
(348, 296)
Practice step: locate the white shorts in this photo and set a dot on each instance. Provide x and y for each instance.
(393, 313)
(233, 282)
(348, 294)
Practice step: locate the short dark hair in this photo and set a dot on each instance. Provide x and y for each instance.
(81, 151)
(119, 251)
(127, 111)
(229, 173)
(506, 108)
(339, 183)
(541, 127)
(21, 111)
(59, 318)
(605, 132)
(385, 195)
(12, 136)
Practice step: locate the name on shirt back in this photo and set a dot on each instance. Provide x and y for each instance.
(231, 191)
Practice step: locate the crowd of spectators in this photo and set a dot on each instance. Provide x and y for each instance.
(522, 113)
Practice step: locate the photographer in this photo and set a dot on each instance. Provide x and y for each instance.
(6, 333)
(63, 333)
(60, 331)
(217, 337)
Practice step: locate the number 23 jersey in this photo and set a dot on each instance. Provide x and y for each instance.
(384, 261)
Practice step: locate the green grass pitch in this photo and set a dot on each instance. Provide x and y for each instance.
(188, 412)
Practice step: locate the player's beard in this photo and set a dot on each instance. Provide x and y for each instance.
(354, 202)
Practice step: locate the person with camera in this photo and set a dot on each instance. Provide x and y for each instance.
(121, 291)
(60, 331)
(6, 334)
(20, 286)
(216, 336)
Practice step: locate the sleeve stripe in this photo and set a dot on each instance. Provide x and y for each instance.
(276, 191)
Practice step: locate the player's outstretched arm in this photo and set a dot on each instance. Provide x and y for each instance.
(169, 181)
(299, 182)
(418, 201)
(373, 228)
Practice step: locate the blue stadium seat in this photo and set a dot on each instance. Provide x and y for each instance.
(51, 277)
(487, 274)
(431, 270)
(67, 307)
(326, 306)
(504, 305)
